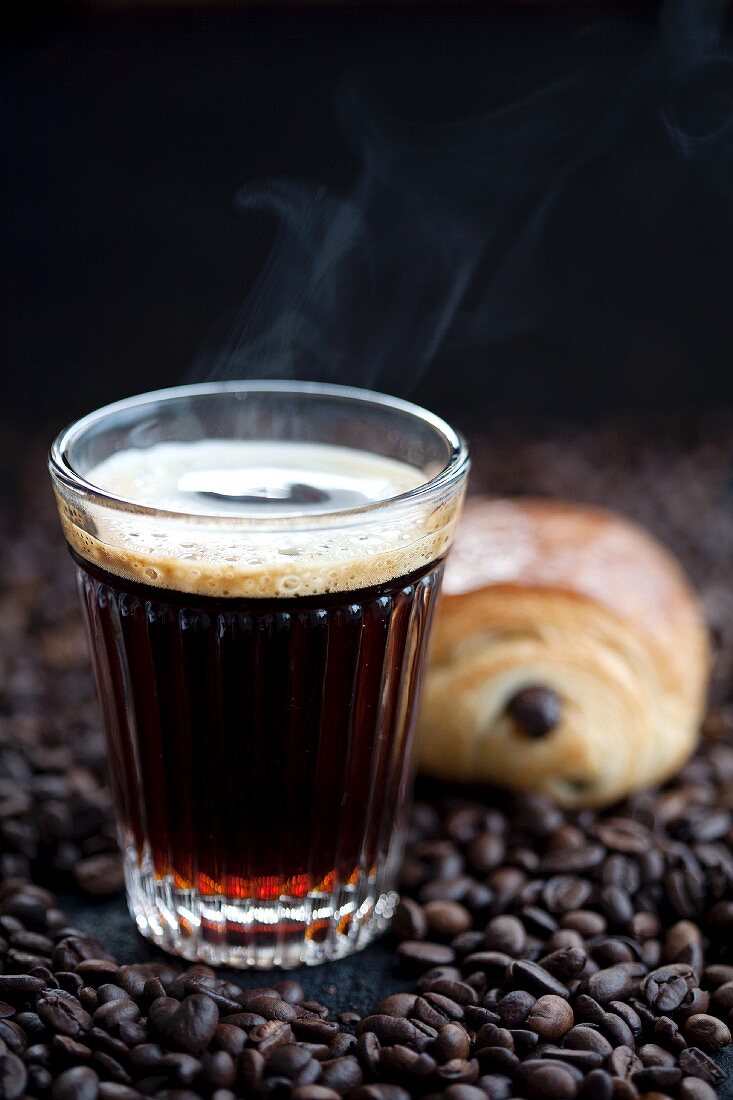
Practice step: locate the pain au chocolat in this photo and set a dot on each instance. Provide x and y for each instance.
(569, 655)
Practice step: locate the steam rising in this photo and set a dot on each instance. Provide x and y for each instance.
(437, 244)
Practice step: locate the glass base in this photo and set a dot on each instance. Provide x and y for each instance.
(252, 932)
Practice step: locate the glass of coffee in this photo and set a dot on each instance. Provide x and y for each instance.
(258, 564)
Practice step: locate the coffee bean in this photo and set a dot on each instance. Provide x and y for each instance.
(515, 1007)
(191, 1026)
(584, 921)
(398, 1004)
(15, 987)
(563, 893)
(460, 992)
(495, 1085)
(583, 1060)
(666, 987)
(380, 1092)
(62, 1012)
(598, 1085)
(452, 1042)
(13, 1076)
(79, 1083)
(447, 918)
(420, 954)
(669, 1034)
(584, 1037)
(623, 1062)
(313, 1092)
(314, 1031)
(653, 1055)
(389, 1029)
(486, 852)
(628, 1014)
(657, 1078)
(551, 1081)
(707, 1031)
(695, 1063)
(617, 1030)
(551, 1017)
(565, 963)
(694, 1088)
(613, 983)
(531, 976)
(251, 1068)
(577, 860)
(536, 709)
(410, 921)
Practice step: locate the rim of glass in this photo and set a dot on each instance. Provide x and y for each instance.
(62, 469)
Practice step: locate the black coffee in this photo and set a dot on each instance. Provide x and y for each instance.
(259, 747)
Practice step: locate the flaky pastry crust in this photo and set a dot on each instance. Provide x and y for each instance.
(587, 604)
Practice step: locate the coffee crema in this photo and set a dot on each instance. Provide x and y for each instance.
(200, 512)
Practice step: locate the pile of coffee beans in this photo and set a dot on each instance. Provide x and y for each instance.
(552, 955)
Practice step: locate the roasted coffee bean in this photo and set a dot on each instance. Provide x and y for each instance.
(531, 976)
(651, 1054)
(515, 1007)
(460, 992)
(584, 921)
(551, 1081)
(495, 1085)
(583, 1060)
(398, 1004)
(447, 918)
(613, 983)
(410, 922)
(272, 1034)
(707, 1031)
(617, 1031)
(486, 852)
(584, 1037)
(62, 1012)
(287, 1061)
(628, 1014)
(420, 954)
(251, 1068)
(313, 1092)
(598, 1085)
(452, 1042)
(669, 1034)
(623, 1062)
(13, 1076)
(657, 1078)
(313, 1031)
(380, 1092)
(505, 934)
(565, 963)
(368, 1049)
(389, 1029)
(694, 1088)
(551, 1017)
(78, 1083)
(666, 987)
(191, 1026)
(563, 893)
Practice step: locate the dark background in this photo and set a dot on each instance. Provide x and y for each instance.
(129, 130)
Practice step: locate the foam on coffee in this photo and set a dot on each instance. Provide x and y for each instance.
(210, 482)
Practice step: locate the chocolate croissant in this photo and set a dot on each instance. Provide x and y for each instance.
(569, 655)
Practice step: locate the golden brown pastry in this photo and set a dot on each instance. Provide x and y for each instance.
(569, 655)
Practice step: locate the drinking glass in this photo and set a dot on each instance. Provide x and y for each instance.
(258, 655)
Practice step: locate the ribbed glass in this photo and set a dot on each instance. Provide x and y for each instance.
(260, 760)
